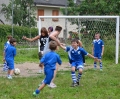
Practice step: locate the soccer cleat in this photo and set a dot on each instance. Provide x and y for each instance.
(9, 77)
(34, 94)
(52, 85)
(101, 70)
(74, 84)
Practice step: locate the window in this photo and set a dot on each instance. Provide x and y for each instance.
(55, 13)
(40, 13)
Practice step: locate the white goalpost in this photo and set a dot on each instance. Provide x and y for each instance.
(117, 21)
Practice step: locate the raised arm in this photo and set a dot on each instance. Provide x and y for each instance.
(31, 39)
(80, 43)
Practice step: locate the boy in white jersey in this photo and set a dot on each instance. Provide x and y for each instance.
(76, 60)
(98, 50)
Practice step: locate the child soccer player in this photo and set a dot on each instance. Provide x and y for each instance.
(49, 60)
(76, 60)
(5, 67)
(98, 50)
(42, 38)
(53, 37)
(10, 53)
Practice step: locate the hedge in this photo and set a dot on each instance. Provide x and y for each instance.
(18, 31)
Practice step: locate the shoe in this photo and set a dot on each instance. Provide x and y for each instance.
(74, 84)
(9, 77)
(94, 68)
(40, 71)
(52, 85)
(78, 83)
(101, 70)
(34, 94)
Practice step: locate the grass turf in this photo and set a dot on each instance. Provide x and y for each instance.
(95, 84)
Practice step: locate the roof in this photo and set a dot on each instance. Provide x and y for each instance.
(51, 2)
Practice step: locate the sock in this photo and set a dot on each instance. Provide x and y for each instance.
(73, 76)
(95, 64)
(100, 65)
(37, 91)
(79, 76)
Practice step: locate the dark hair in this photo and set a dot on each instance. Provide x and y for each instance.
(44, 30)
(75, 40)
(12, 40)
(58, 28)
(9, 37)
(53, 45)
(51, 28)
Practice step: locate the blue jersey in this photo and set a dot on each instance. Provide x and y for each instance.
(6, 45)
(98, 44)
(10, 53)
(76, 55)
(50, 59)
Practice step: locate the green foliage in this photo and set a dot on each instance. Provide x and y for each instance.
(23, 12)
(18, 32)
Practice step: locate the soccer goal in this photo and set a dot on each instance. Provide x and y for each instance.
(84, 28)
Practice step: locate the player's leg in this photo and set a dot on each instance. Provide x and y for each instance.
(95, 62)
(52, 85)
(11, 69)
(80, 68)
(40, 54)
(100, 61)
(73, 75)
(49, 76)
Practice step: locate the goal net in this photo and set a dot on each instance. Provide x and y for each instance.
(84, 28)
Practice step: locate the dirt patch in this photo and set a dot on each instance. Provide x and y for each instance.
(32, 69)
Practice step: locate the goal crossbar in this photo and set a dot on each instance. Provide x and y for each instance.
(102, 17)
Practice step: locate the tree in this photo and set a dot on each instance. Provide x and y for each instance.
(94, 7)
(23, 12)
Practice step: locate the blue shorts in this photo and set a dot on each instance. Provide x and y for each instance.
(49, 73)
(77, 65)
(10, 64)
(98, 55)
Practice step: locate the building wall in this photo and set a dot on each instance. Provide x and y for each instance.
(48, 22)
(1, 14)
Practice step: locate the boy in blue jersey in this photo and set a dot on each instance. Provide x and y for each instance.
(49, 61)
(5, 67)
(76, 60)
(98, 50)
(10, 53)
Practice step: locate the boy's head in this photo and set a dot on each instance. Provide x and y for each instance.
(50, 29)
(44, 31)
(13, 41)
(74, 43)
(53, 45)
(9, 37)
(58, 28)
(97, 36)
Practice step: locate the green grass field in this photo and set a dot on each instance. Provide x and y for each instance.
(95, 84)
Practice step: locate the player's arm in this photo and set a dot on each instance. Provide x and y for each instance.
(91, 56)
(63, 47)
(79, 43)
(42, 61)
(102, 50)
(31, 39)
(92, 49)
(59, 60)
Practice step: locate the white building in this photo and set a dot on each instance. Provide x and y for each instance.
(52, 8)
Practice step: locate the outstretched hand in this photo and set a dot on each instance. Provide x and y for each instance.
(24, 37)
(95, 58)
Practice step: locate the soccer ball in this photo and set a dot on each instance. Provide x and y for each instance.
(17, 71)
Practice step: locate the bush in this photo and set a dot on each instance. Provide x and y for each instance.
(18, 32)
